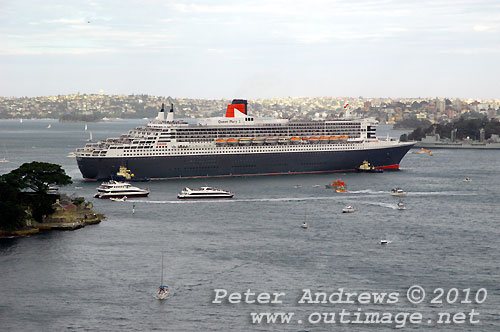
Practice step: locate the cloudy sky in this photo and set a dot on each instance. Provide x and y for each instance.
(251, 49)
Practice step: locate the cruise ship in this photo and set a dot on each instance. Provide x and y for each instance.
(239, 144)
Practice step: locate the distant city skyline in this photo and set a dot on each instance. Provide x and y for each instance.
(251, 49)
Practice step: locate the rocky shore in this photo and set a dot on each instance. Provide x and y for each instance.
(69, 214)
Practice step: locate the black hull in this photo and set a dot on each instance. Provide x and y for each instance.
(193, 166)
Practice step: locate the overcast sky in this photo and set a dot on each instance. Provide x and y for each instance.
(251, 49)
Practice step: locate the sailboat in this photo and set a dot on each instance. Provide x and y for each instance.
(163, 289)
(90, 137)
(86, 127)
(21, 120)
(305, 225)
(49, 126)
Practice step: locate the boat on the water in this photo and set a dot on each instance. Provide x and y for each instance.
(401, 205)
(304, 225)
(366, 167)
(204, 192)
(124, 174)
(117, 189)
(240, 144)
(335, 184)
(398, 192)
(163, 290)
(384, 242)
(338, 185)
(467, 180)
(123, 199)
(348, 209)
(422, 151)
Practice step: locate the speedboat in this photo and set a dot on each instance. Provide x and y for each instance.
(117, 189)
(398, 192)
(366, 167)
(204, 192)
(315, 185)
(297, 186)
(123, 199)
(467, 180)
(422, 150)
(338, 185)
(348, 209)
(335, 184)
(384, 242)
(401, 205)
(304, 225)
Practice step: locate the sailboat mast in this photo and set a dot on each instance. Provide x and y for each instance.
(161, 283)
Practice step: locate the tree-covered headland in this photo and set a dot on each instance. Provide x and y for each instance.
(24, 193)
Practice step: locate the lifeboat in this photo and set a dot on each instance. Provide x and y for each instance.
(305, 139)
(324, 139)
(245, 140)
(221, 141)
(258, 140)
(333, 139)
(271, 140)
(232, 141)
(314, 139)
(283, 140)
(295, 140)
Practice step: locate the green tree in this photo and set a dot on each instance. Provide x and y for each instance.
(37, 176)
(27, 186)
(13, 213)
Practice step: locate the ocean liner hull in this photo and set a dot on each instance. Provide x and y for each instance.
(219, 165)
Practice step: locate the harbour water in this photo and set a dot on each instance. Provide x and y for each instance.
(104, 277)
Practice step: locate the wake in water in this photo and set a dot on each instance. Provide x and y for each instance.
(281, 199)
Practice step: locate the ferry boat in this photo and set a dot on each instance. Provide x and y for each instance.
(204, 192)
(239, 144)
(117, 189)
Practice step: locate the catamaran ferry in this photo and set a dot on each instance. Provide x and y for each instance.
(239, 144)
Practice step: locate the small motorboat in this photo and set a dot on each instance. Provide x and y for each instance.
(348, 209)
(335, 184)
(467, 180)
(116, 199)
(71, 155)
(384, 242)
(204, 192)
(401, 205)
(315, 185)
(338, 185)
(297, 186)
(304, 225)
(366, 167)
(422, 151)
(398, 192)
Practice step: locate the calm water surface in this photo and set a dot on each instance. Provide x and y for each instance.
(103, 277)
